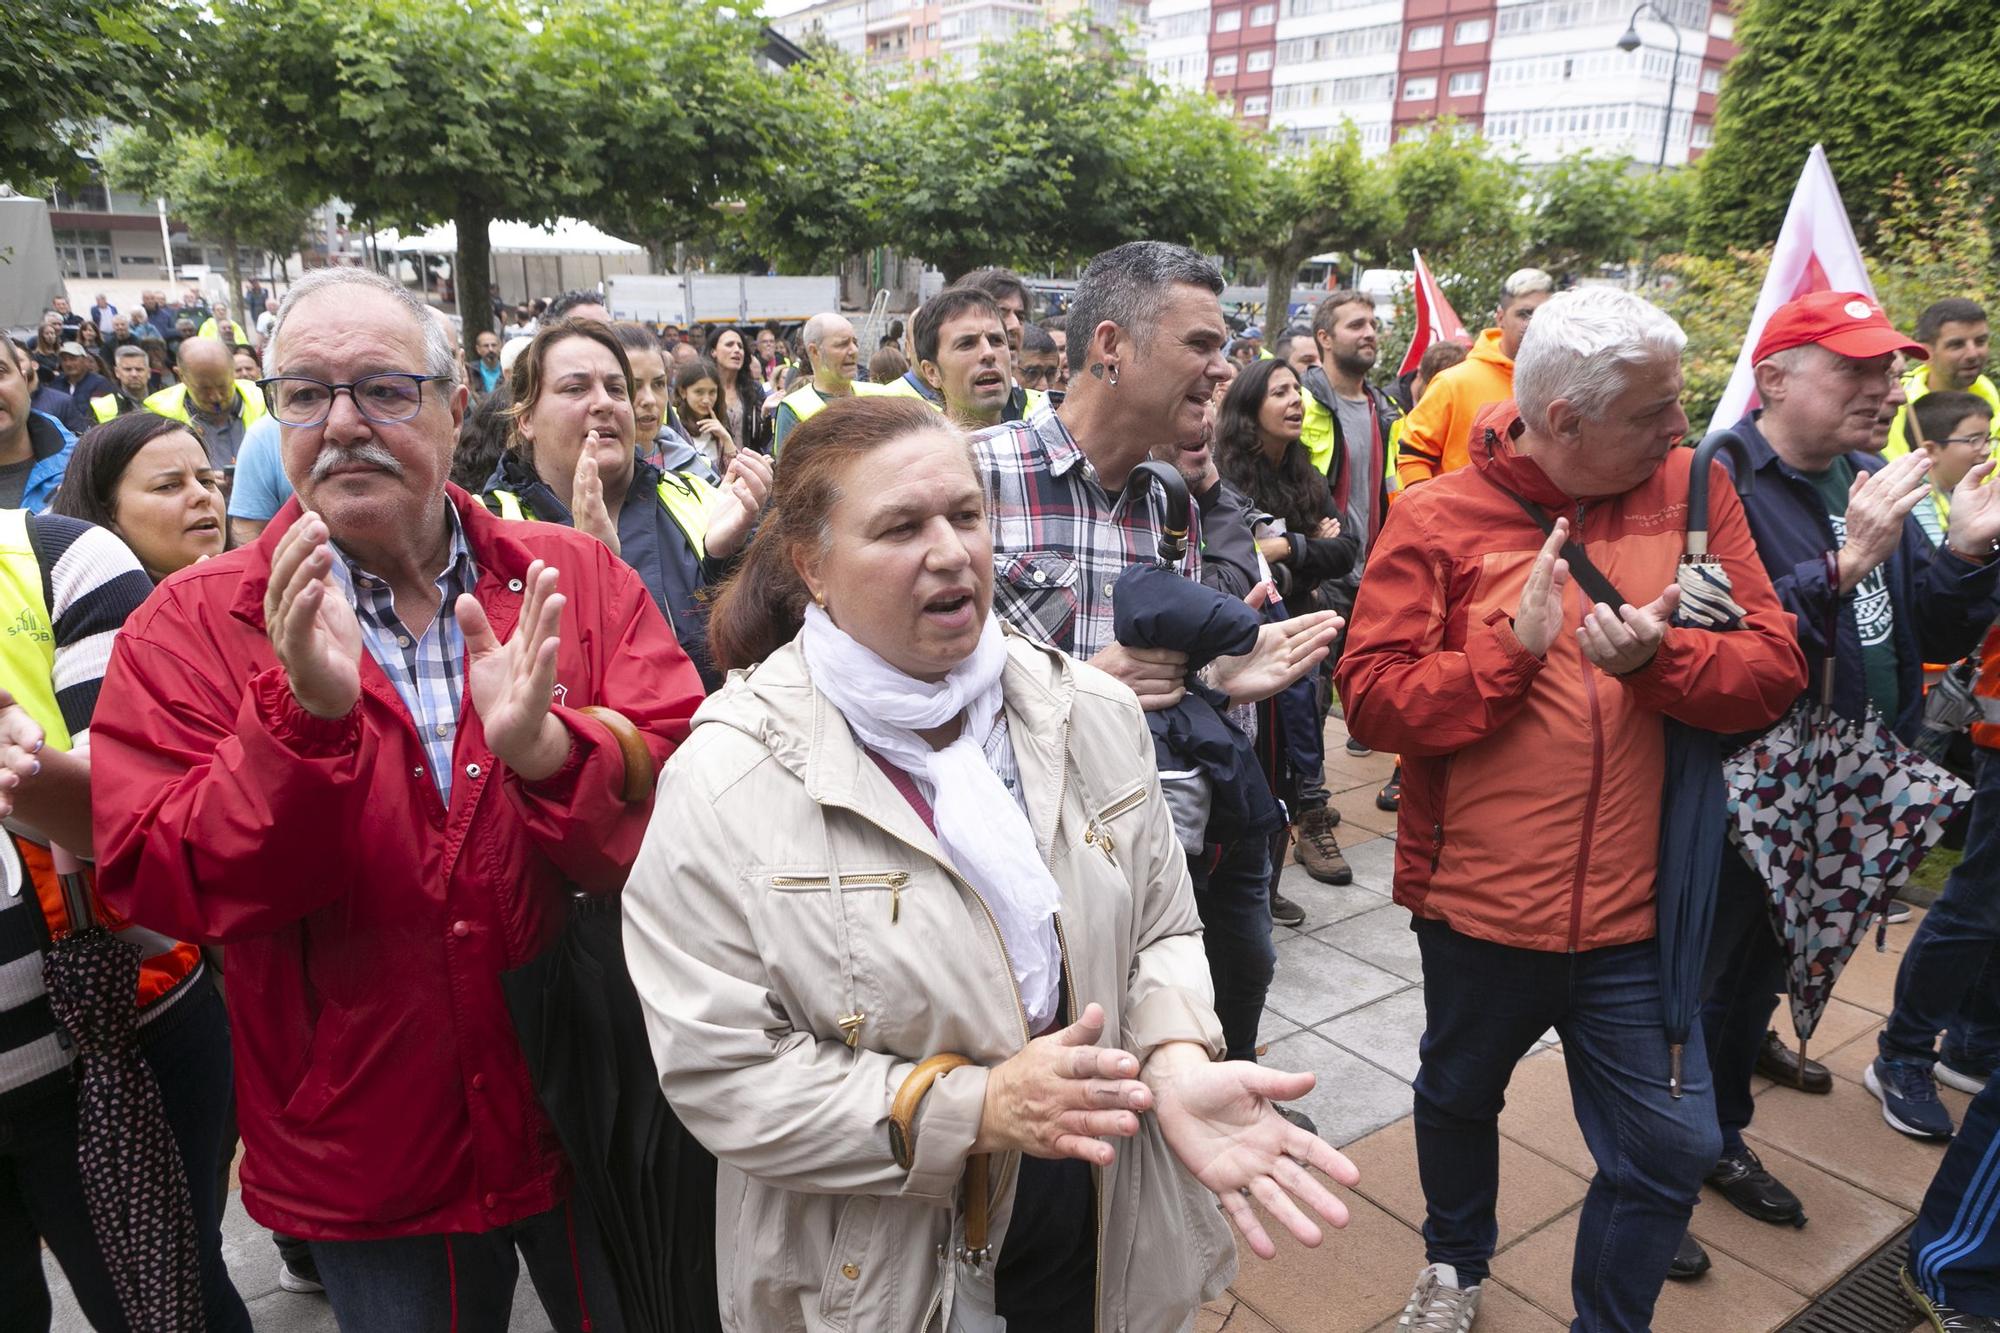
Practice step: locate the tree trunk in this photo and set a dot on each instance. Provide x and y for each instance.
(234, 266)
(472, 270)
(1284, 266)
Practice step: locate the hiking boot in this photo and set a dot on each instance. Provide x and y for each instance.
(1390, 799)
(1297, 1117)
(1439, 1304)
(1743, 1181)
(1955, 1071)
(1690, 1260)
(1316, 850)
(1909, 1098)
(1286, 912)
(1781, 1064)
(1942, 1318)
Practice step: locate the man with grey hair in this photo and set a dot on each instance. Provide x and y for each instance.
(834, 354)
(133, 371)
(403, 733)
(1437, 437)
(1487, 645)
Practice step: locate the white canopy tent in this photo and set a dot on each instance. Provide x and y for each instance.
(529, 260)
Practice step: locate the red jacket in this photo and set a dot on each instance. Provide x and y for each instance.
(380, 1088)
(1531, 786)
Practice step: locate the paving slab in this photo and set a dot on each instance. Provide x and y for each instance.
(1843, 1134)
(1356, 1279)
(1384, 1033)
(1845, 1224)
(1540, 1115)
(1501, 1310)
(1732, 1298)
(1230, 1315)
(1374, 864)
(1316, 981)
(1357, 808)
(1326, 904)
(1351, 1098)
(1533, 1190)
(1381, 938)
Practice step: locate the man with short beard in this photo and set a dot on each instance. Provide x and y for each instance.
(1955, 333)
(1438, 435)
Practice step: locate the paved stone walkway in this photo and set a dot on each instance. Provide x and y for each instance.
(1348, 1005)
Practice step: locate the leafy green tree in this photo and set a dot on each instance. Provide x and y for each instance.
(222, 190)
(1330, 197)
(1890, 89)
(1461, 205)
(812, 209)
(65, 65)
(1584, 214)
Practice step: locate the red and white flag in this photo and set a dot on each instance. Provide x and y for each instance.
(1816, 252)
(1436, 320)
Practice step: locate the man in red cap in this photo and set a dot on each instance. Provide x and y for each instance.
(1824, 370)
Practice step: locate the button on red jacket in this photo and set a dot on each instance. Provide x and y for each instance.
(1532, 785)
(380, 1088)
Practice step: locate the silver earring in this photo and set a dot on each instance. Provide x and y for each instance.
(1111, 373)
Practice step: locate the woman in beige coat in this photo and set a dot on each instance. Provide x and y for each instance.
(919, 957)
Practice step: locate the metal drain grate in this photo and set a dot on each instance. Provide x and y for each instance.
(1867, 1300)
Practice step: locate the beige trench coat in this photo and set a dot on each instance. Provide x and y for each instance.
(785, 885)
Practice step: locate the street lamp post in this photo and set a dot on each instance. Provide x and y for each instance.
(1632, 42)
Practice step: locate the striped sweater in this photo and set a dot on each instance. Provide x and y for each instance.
(90, 582)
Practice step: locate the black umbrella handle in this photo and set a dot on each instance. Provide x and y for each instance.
(1717, 442)
(1173, 540)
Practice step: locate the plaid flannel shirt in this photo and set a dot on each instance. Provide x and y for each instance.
(428, 669)
(1060, 540)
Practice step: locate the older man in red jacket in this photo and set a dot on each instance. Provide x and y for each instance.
(356, 753)
(1534, 755)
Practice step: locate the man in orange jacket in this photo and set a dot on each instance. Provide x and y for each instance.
(1437, 437)
(1475, 653)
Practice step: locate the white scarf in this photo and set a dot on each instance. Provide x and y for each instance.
(979, 825)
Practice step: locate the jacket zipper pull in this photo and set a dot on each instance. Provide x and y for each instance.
(851, 1025)
(1437, 844)
(896, 883)
(1101, 840)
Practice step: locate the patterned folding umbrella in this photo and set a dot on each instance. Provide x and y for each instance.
(1833, 815)
(134, 1183)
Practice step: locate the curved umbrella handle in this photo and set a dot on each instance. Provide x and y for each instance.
(1173, 540)
(1704, 454)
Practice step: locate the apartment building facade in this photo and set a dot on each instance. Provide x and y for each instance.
(904, 39)
(1543, 78)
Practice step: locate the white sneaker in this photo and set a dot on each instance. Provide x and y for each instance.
(296, 1282)
(1956, 1078)
(1439, 1304)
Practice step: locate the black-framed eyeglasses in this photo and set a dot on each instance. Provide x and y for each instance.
(1034, 377)
(385, 399)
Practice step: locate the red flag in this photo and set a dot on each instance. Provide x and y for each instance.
(1436, 320)
(1816, 252)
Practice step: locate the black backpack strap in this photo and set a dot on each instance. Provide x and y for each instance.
(1587, 575)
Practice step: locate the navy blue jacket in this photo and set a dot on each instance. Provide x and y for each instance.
(1943, 605)
(648, 540)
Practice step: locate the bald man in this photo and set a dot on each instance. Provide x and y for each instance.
(211, 399)
(835, 355)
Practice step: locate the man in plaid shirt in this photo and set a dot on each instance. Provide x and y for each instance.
(1145, 359)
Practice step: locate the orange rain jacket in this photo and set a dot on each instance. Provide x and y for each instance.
(1531, 786)
(1437, 436)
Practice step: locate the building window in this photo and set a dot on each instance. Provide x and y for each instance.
(1259, 62)
(1420, 90)
(1704, 135)
(1466, 84)
(1229, 20)
(1256, 106)
(85, 254)
(1263, 16)
(1722, 27)
(1224, 66)
(1711, 80)
(1427, 38)
(1470, 31)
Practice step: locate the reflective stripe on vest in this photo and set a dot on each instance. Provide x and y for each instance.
(172, 402)
(686, 498)
(28, 647)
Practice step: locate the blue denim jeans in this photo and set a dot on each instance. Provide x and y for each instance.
(1232, 895)
(463, 1283)
(1950, 978)
(1485, 1005)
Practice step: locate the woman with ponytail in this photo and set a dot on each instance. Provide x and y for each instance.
(913, 867)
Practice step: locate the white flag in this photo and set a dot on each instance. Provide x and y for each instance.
(1816, 252)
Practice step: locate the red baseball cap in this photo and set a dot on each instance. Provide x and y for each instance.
(1848, 323)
